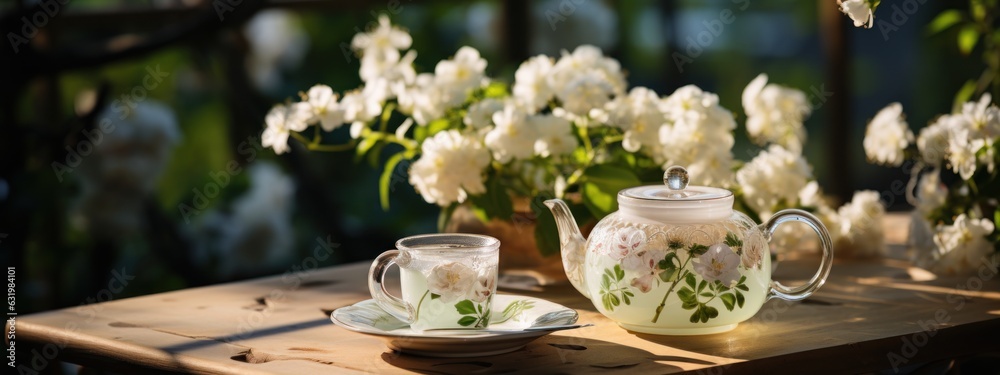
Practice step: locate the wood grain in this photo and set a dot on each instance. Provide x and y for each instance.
(867, 312)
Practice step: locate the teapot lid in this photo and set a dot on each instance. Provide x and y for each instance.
(676, 202)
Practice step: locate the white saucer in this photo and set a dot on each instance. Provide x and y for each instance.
(368, 318)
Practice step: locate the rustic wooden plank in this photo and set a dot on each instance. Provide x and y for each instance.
(868, 311)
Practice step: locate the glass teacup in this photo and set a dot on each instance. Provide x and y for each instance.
(447, 280)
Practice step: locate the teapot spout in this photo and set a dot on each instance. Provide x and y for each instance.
(572, 245)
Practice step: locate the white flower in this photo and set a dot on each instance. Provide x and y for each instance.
(698, 135)
(962, 153)
(775, 113)
(626, 241)
(860, 12)
(384, 42)
(258, 231)
(774, 177)
(585, 91)
(325, 109)
(281, 120)
(931, 193)
(485, 287)
(644, 261)
(480, 114)
(963, 244)
(981, 118)
(450, 169)
(531, 82)
(512, 137)
(861, 234)
(121, 174)
(719, 264)
(555, 136)
(460, 75)
(359, 107)
(639, 115)
(277, 42)
(887, 136)
(382, 77)
(451, 281)
(423, 100)
(933, 140)
(584, 59)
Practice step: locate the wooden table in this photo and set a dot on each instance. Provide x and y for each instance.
(870, 315)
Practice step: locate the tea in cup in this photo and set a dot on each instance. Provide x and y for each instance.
(447, 280)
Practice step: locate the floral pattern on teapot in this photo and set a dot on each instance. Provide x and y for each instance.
(694, 264)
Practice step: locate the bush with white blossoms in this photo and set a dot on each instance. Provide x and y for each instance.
(564, 126)
(955, 178)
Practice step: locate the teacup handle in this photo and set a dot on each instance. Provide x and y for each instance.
(801, 292)
(388, 302)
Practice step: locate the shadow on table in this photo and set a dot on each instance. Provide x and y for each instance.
(553, 354)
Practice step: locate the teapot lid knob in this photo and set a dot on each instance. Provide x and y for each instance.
(676, 178)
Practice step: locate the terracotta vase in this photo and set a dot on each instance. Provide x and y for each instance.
(519, 255)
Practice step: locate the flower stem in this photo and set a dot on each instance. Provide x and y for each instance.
(416, 315)
(659, 309)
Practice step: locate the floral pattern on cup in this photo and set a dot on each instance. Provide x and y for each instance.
(453, 281)
(696, 273)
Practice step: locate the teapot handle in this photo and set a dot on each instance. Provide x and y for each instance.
(801, 292)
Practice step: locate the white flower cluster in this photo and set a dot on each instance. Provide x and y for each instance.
(856, 227)
(688, 128)
(773, 179)
(962, 246)
(887, 136)
(775, 114)
(552, 104)
(963, 142)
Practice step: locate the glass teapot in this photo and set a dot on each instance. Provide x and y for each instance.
(678, 260)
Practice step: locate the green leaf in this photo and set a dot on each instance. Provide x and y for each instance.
(386, 178)
(606, 300)
(688, 305)
(465, 307)
(996, 219)
(943, 21)
(740, 299)
(479, 308)
(732, 240)
(668, 262)
(702, 285)
(711, 313)
(669, 275)
(963, 95)
(625, 298)
(467, 321)
(619, 272)
(968, 36)
(696, 315)
(686, 295)
(546, 233)
(614, 300)
(706, 294)
(605, 282)
(698, 249)
(435, 296)
(495, 202)
(728, 300)
(600, 187)
(690, 280)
